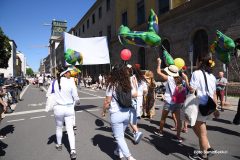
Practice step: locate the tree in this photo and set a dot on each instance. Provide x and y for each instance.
(5, 50)
(29, 72)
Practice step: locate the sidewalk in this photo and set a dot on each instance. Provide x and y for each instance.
(231, 103)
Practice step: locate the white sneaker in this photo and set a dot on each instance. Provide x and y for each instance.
(131, 158)
(138, 137)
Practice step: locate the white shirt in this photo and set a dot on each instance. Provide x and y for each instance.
(198, 83)
(68, 93)
(168, 94)
(114, 106)
(141, 87)
(40, 79)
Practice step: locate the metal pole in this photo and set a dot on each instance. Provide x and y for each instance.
(226, 89)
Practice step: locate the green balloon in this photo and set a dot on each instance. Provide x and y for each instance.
(72, 57)
(167, 58)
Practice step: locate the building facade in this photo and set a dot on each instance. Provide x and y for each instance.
(24, 62)
(11, 70)
(187, 29)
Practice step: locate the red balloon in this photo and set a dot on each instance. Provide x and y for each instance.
(126, 54)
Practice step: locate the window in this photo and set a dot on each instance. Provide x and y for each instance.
(163, 6)
(93, 18)
(100, 33)
(124, 19)
(83, 28)
(108, 5)
(88, 23)
(200, 46)
(79, 32)
(141, 58)
(140, 12)
(109, 33)
(100, 12)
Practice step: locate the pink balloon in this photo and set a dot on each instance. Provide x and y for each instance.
(126, 54)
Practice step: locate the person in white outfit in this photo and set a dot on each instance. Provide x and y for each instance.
(203, 89)
(65, 95)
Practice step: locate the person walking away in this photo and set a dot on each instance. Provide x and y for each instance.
(138, 102)
(40, 82)
(65, 96)
(119, 115)
(198, 84)
(149, 98)
(100, 80)
(172, 78)
(221, 85)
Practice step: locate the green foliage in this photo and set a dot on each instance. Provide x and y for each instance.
(29, 72)
(5, 49)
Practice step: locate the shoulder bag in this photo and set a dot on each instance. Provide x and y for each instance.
(210, 106)
(51, 102)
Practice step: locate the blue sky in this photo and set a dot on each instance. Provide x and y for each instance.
(22, 21)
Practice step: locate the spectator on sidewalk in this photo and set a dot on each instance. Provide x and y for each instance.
(221, 84)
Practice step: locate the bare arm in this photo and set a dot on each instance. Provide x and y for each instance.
(106, 105)
(162, 75)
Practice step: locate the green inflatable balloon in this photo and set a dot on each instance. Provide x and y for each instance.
(224, 42)
(150, 38)
(72, 57)
(167, 58)
(222, 55)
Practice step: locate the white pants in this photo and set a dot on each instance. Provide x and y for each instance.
(65, 113)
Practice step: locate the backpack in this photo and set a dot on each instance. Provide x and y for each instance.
(124, 99)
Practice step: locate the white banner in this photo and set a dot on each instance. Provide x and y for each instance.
(93, 50)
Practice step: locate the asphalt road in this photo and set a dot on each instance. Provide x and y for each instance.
(31, 133)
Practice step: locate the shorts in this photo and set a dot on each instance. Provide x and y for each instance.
(172, 107)
(220, 94)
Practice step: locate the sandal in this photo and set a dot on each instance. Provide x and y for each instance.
(173, 128)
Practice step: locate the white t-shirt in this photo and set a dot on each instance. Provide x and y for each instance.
(40, 79)
(114, 106)
(168, 94)
(198, 83)
(68, 93)
(141, 87)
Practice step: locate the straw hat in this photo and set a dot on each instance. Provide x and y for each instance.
(67, 70)
(172, 70)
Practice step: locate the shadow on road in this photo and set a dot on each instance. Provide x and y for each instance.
(84, 107)
(222, 120)
(223, 130)
(167, 146)
(106, 144)
(7, 129)
(52, 139)
(4, 131)
(2, 147)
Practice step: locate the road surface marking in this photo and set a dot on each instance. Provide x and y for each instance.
(37, 104)
(22, 93)
(25, 112)
(89, 93)
(91, 90)
(37, 117)
(92, 110)
(79, 111)
(16, 120)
